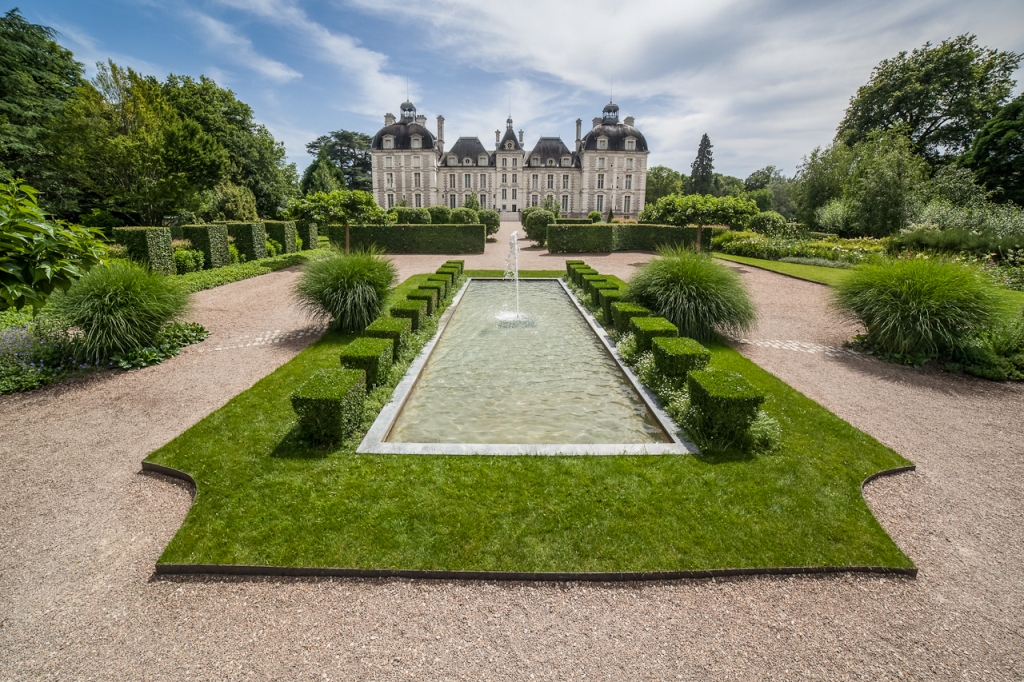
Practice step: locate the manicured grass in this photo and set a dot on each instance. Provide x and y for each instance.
(264, 498)
(812, 273)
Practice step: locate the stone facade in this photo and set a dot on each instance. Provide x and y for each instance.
(606, 170)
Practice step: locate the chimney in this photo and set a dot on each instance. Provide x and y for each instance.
(579, 130)
(520, 136)
(497, 138)
(628, 120)
(597, 122)
(440, 134)
(389, 119)
(421, 119)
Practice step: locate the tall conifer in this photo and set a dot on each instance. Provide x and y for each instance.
(702, 170)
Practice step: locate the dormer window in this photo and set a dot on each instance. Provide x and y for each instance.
(602, 143)
(417, 142)
(510, 145)
(551, 162)
(389, 142)
(467, 161)
(630, 144)
(453, 160)
(482, 161)
(566, 160)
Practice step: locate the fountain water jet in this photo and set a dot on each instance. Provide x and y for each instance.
(510, 318)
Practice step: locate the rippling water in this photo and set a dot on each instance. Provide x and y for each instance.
(551, 382)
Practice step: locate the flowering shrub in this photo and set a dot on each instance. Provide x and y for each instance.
(752, 245)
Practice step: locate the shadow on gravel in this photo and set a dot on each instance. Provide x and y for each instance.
(930, 378)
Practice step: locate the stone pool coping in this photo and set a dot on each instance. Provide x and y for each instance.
(374, 442)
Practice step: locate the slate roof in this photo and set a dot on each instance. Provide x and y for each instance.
(616, 134)
(467, 148)
(549, 148)
(403, 132)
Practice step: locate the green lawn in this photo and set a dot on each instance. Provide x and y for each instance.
(265, 499)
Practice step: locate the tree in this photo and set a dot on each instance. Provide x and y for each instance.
(761, 178)
(702, 170)
(228, 201)
(820, 180)
(997, 155)
(341, 207)
(471, 201)
(700, 210)
(942, 95)
(662, 181)
(726, 186)
(350, 151)
(38, 256)
(37, 77)
(321, 176)
(551, 205)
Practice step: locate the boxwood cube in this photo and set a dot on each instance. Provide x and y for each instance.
(395, 328)
(450, 274)
(444, 279)
(250, 239)
(373, 356)
(453, 270)
(330, 404)
(569, 264)
(579, 273)
(414, 309)
(283, 232)
(677, 357)
(588, 280)
(212, 240)
(608, 296)
(439, 287)
(149, 245)
(597, 287)
(623, 313)
(460, 264)
(722, 404)
(646, 329)
(428, 295)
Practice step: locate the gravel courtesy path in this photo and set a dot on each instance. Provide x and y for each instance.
(82, 527)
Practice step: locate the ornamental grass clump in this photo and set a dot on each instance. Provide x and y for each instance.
(347, 291)
(919, 309)
(119, 308)
(698, 295)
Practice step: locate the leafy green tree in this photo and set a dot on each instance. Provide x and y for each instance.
(662, 181)
(727, 186)
(761, 178)
(702, 170)
(350, 151)
(321, 176)
(228, 201)
(820, 180)
(942, 95)
(38, 256)
(997, 155)
(763, 197)
(700, 210)
(551, 205)
(471, 201)
(37, 77)
(341, 207)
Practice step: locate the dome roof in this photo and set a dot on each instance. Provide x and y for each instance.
(403, 132)
(617, 134)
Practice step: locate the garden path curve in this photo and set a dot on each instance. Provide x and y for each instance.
(82, 529)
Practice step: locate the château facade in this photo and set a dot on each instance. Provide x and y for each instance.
(607, 169)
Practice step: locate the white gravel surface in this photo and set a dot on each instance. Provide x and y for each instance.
(82, 528)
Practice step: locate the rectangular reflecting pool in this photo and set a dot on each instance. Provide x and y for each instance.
(545, 383)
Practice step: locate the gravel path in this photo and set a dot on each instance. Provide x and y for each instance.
(82, 529)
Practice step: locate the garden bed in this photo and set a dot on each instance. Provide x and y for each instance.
(264, 499)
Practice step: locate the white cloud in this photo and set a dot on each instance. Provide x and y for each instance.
(88, 51)
(238, 49)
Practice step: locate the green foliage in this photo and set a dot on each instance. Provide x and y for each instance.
(208, 279)
(647, 328)
(228, 201)
(188, 260)
(350, 153)
(918, 309)
(771, 224)
(700, 296)
(416, 309)
(306, 231)
(607, 298)
(552, 206)
(323, 175)
(472, 202)
(149, 246)
(611, 215)
(346, 290)
(678, 356)
(623, 313)
(168, 343)
(34, 351)
(942, 94)
(702, 169)
(372, 355)
(397, 329)
(595, 216)
(723, 406)
(588, 280)
(537, 225)
(250, 239)
(820, 180)
(460, 265)
(440, 215)
(465, 216)
(330, 405)
(491, 220)
(884, 185)
(695, 209)
(283, 232)
(430, 295)
(273, 247)
(38, 256)
(997, 155)
(212, 240)
(596, 289)
(342, 207)
(104, 220)
(661, 182)
(410, 216)
(526, 212)
(570, 263)
(444, 279)
(119, 308)
(955, 241)
(414, 238)
(753, 245)
(587, 238)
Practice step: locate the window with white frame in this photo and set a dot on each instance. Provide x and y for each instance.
(513, 195)
(600, 180)
(451, 201)
(504, 194)
(391, 201)
(551, 181)
(467, 180)
(483, 181)
(566, 160)
(415, 179)
(600, 162)
(417, 142)
(504, 178)
(515, 161)
(453, 160)
(389, 179)
(483, 201)
(534, 199)
(504, 162)
(565, 203)
(451, 180)
(626, 201)
(535, 180)
(629, 182)
(389, 142)
(515, 178)
(630, 145)
(419, 201)
(482, 161)
(389, 161)
(600, 202)
(629, 164)
(602, 143)
(417, 162)
(565, 182)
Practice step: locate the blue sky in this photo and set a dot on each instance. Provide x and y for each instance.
(768, 81)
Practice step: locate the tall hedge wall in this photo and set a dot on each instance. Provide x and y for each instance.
(212, 240)
(283, 232)
(308, 233)
(250, 239)
(603, 237)
(149, 245)
(413, 238)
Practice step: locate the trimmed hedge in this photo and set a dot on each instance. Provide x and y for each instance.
(465, 216)
(212, 240)
(282, 232)
(307, 231)
(440, 215)
(373, 356)
(443, 279)
(646, 329)
(623, 314)
(148, 245)
(537, 223)
(330, 404)
(250, 239)
(588, 280)
(597, 287)
(429, 295)
(569, 264)
(459, 264)
(439, 287)
(405, 215)
(491, 220)
(723, 404)
(446, 270)
(579, 271)
(395, 328)
(573, 221)
(414, 309)
(578, 266)
(677, 357)
(427, 239)
(602, 237)
(608, 297)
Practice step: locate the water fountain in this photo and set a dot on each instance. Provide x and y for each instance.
(513, 318)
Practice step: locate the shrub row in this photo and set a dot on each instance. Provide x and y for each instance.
(212, 240)
(604, 237)
(250, 239)
(430, 239)
(148, 245)
(573, 221)
(283, 232)
(754, 245)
